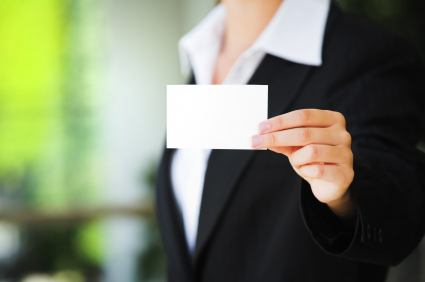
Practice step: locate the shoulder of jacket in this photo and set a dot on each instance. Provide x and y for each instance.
(352, 38)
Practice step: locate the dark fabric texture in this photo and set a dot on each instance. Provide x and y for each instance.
(259, 221)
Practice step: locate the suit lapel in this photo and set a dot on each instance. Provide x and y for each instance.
(226, 166)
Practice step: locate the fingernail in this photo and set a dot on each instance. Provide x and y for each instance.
(257, 141)
(265, 127)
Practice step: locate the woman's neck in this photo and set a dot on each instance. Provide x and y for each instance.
(245, 21)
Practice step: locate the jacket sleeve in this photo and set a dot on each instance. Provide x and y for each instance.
(383, 107)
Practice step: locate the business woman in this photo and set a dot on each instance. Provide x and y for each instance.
(338, 195)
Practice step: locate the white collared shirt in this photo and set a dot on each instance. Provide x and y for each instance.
(295, 33)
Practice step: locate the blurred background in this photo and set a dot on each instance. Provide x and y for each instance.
(82, 123)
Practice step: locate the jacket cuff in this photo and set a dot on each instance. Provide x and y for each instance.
(331, 233)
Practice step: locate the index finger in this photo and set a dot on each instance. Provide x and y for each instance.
(302, 118)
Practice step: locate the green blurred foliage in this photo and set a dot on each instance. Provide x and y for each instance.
(152, 260)
(51, 249)
(91, 243)
(47, 116)
(31, 55)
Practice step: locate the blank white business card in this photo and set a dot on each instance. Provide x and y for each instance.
(214, 116)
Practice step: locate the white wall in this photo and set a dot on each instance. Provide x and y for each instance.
(194, 11)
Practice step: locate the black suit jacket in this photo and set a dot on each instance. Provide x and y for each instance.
(259, 220)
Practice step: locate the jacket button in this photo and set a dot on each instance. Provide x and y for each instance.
(380, 239)
(368, 232)
(375, 234)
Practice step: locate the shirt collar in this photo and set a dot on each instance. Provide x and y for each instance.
(295, 33)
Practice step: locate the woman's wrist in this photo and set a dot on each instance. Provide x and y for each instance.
(343, 207)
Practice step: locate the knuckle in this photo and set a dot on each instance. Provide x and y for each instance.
(319, 170)
(313, 152)
(271, 140)
(340, 118)
(346, 137)
(350, 156)
(305, 135)
(279, 122)
(303, 116)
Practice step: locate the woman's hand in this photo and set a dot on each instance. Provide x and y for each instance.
(319, 149)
